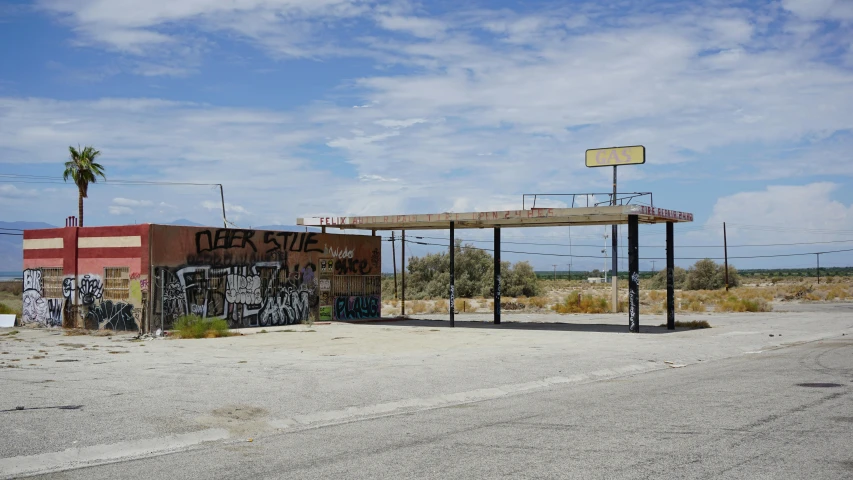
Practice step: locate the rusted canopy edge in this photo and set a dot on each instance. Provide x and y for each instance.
(536, 217)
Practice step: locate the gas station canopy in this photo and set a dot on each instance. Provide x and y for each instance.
(535, 217)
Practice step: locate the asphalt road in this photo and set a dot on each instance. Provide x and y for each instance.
(748, 416)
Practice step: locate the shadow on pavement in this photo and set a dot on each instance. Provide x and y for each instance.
(505, 325)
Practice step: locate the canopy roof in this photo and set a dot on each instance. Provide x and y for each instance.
(535, 217)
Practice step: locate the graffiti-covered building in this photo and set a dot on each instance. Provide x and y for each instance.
(140, 277)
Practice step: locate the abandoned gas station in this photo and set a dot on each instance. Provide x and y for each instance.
(631, 215)
(618, 211)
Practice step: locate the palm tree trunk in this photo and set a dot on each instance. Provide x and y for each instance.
(80, 207)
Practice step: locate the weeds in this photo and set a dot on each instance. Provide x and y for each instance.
(441, 306)
(537, 302)
(417, 306)
(193, 326)
(734, 304)
(577, 303)
(9, 333)
(7, 310)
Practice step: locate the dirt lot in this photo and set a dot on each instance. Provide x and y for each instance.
(89, 399)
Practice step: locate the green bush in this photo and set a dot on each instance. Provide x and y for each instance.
(6, 310)
(679, 276)
(577, 303)
(193, 326)
(708, 275)
(428, 277)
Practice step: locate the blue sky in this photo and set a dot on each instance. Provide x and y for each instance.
(343, 107)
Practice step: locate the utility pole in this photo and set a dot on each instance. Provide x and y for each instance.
(818, 268)
(570, 271)
(726, 256)
(222, 197)
(555, 272)
(394, 255)
(604, 252)
(615, 254)
(653, 266)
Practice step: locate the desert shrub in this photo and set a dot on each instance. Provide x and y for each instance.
(7, 310)
(734, 304)
(708, 275)
(837, 291)
(575, 302)
(429, 276)
(796, 292)
(754, 293)
(537, 302)
(193, 326)
(656, 295)
(416, 307)
(443, 306)
(520, 280)
(15, 287)
(693, 306)
(388, 287)
(679, 277)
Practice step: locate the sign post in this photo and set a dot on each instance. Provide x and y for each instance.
(615, 156)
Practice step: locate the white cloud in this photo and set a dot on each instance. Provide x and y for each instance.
(399, 123)
(9, 191)
(785, 214)
(145, 27)
(128, 202)
(118, 210)
(228, 207)
(421, 27)
(820, 9)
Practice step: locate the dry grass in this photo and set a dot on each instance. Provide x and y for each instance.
(734, 304)
(576, 302)
(537, 302)
(417, 306)
(442, 306)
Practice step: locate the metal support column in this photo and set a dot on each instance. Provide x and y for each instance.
(452, 274)
(497, 289)
(403, 272)
(670, 277)
(614, 272)
(634, 274)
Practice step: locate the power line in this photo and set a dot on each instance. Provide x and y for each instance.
(644, 246)
(641, 258)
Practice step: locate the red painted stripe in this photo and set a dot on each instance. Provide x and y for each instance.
(43, 253)
(121, 231)
(44, 233)
(110, 252)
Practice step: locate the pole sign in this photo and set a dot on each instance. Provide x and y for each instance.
(615, 156)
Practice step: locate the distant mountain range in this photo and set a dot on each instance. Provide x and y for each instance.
(12, 242)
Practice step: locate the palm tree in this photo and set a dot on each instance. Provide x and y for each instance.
(83, 170)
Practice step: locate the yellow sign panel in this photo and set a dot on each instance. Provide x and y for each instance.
(615, 156)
